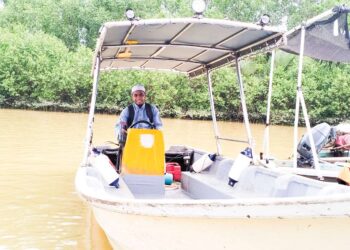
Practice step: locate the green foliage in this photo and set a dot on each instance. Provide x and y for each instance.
(78, 21)
(46, 49)
(36, 67)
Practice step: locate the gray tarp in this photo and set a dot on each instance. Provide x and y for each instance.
(325, 39)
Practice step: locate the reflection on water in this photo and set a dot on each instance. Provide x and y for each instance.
(40, 152)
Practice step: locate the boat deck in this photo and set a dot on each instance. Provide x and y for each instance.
(176, 192)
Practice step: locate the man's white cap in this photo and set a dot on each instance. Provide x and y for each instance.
(138, 87)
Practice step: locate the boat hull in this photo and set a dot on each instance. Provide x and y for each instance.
(244, 222)
(130, 231)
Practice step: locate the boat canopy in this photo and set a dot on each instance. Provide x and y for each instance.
(186, 45)
(327, 36)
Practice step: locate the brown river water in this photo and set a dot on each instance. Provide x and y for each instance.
(40, 153)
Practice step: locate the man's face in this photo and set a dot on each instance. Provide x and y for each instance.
(139, 97)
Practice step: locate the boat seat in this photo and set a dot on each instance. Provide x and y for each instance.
(257, 181)
(204, 186)
(221, 167)
(334, 188)
(211, 183)
(264, 182)
(143, 163)
(289, 185)
(254, 182)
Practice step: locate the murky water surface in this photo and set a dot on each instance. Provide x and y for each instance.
(40, 152)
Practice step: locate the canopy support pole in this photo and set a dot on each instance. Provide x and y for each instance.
(89, 131)
(297, 102)
(267, 125)
(300, 98)
(244, 108)
(213, 115)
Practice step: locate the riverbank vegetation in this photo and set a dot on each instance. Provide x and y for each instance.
(46, 49)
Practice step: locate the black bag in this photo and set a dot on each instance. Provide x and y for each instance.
(112, 154)
(180, 154)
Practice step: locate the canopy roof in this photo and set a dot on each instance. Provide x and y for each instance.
(326, 36)
(188, 45)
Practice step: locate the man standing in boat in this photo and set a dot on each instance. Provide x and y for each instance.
(140, 113)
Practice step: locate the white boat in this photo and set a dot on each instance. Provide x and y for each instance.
(266, 209)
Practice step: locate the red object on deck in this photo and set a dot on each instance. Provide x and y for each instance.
(175, 169)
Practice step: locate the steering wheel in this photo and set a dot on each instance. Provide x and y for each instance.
(143, 121)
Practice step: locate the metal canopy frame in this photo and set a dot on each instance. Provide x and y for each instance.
(144, 45)
(266, 140)
(224, 41)
(300, 100)
(303, 29)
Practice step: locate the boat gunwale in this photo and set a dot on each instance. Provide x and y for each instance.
(209, 208)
